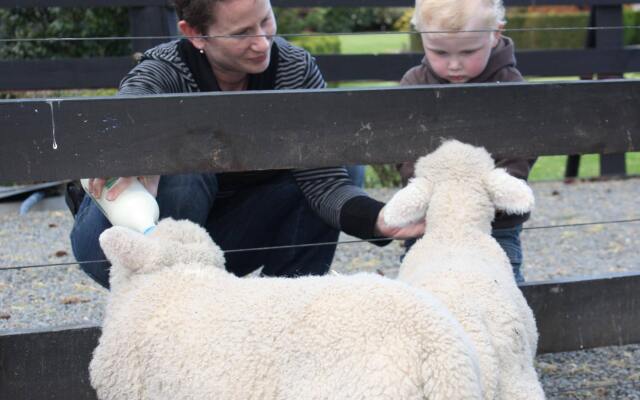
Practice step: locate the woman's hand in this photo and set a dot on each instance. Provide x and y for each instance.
(413, 230)
(96, 186)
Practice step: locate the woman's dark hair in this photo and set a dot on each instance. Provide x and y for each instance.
(197, 13)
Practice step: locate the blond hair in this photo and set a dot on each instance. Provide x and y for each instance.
(455, 15)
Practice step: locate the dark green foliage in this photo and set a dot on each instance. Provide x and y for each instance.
(383, 175)
(60, 22)
(559, 39)
(553, 39)
(548, 39)
(631, 18)
(337, 19)
(360, 19)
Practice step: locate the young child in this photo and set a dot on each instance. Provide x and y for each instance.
(466, 46)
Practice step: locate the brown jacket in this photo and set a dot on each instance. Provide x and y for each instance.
(500, 68)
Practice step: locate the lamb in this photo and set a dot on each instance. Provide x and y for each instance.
(178, 326)
(457, 188)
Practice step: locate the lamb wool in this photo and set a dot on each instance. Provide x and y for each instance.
(458, 189)
(178, 326)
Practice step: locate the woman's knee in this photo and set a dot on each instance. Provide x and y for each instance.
(88, 225)
(187, 196)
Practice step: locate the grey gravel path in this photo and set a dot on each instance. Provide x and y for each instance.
(63, 295)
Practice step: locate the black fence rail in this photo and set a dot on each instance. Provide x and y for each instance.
(604, 56)
(231, 131)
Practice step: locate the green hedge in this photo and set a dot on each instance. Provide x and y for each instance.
(114, 21)
(100, 22)
(318, 44)
(631, 18)
(548, 39)
(337, 19)
(554, 39)
(563, 39)
(63, 22)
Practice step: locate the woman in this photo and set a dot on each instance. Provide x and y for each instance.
(249, 209)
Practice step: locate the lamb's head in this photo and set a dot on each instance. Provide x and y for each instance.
(171, 242)
(459, 184)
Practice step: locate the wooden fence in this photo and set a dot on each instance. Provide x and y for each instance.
(604, 55)
(295, 129)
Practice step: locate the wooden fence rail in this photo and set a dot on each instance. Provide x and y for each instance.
(294, 3)
(94, 73)
(225, 131)
(156, 18)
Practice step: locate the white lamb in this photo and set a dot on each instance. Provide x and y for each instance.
(458, 189)
(178, 326)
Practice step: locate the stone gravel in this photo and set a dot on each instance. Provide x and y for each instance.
(63, 295)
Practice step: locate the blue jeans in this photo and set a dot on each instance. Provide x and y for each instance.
(356, 173)
(274, 213)
(509, 240)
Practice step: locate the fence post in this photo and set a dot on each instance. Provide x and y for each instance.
(609, 15)
(151, 21)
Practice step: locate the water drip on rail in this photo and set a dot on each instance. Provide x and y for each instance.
(53, 122)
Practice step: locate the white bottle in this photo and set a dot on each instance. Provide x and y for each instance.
(135, 208)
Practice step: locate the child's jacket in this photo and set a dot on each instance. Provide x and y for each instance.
(501, 67)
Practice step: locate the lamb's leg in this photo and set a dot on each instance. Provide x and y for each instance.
(522, 384)
(519, 377)
(450, 369)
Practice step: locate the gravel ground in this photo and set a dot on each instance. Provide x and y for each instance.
(63, 295)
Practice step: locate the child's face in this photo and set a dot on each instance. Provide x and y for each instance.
(459, 57)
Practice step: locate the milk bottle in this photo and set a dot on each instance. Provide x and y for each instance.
(135, 208)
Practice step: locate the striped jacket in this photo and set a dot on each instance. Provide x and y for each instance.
(329, 190)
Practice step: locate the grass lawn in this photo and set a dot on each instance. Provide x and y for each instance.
(547, 168)
(373, 44)
(552, 167)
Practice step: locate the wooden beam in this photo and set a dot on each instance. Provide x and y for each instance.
(391, 67)
(571, 315)
(149, 22)
(123, 136)
(70, 73)
(83, 3)
(47, 364)
(285, 3)
(77, 73)
(582, 314)
(10, 191)
(610, 164)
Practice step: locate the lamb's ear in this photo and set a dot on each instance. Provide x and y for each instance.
(127, 248)
(508, 193)
(409, 204)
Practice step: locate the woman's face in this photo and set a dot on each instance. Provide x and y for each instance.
(247, 55)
